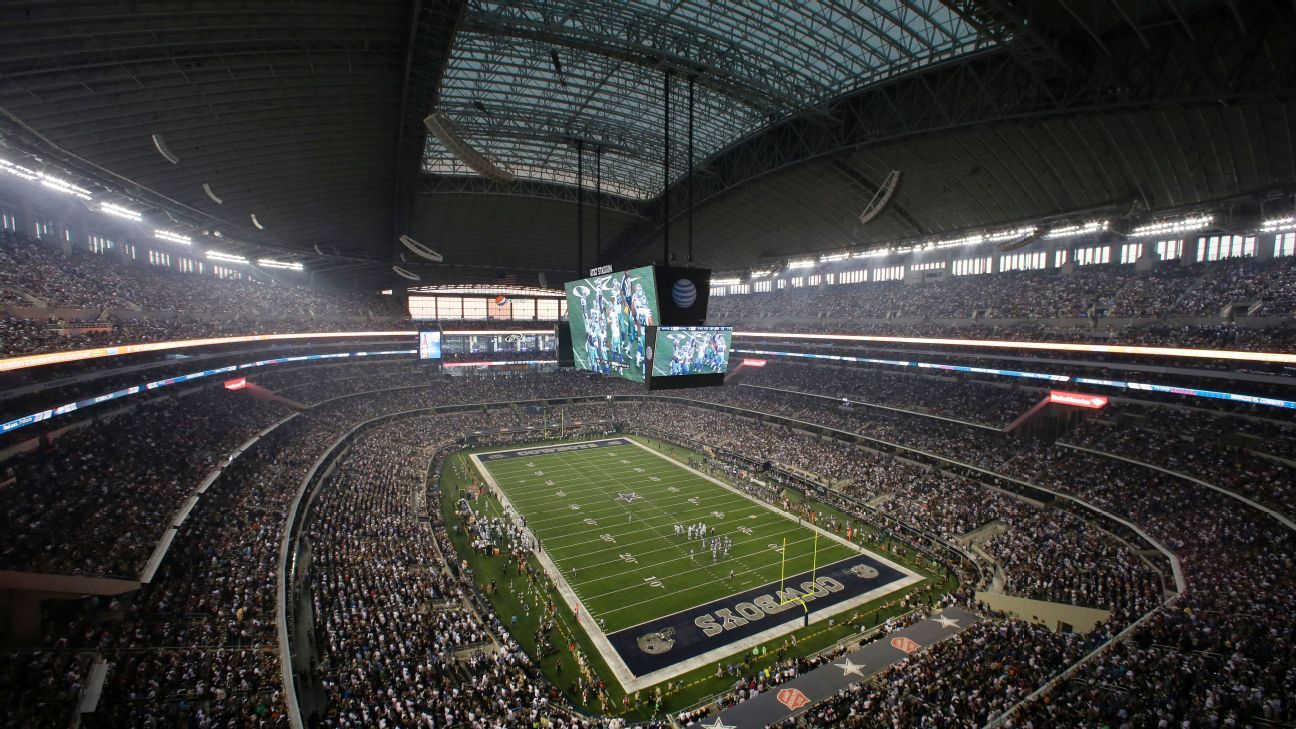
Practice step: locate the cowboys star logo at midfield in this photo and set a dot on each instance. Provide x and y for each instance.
(658, 642)
(629, 498)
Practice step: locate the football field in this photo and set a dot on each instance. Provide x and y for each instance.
(608, 515)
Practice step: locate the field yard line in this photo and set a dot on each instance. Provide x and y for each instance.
(691, 607)
(553, 472)
(699, 554)
(610, 524)
(594, 512)
(848, 544)
(530, 491)
(667, 539)
(601, 643)
(629, 682)
(592, 530)
(577, 491)
(691, 542)
(618, 451)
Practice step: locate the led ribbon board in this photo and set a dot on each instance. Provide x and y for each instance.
(1078, 399)
(38, 360)
(26, 420)
(1145, 386)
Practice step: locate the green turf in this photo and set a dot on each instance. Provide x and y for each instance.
(559, 665)
(623, 559)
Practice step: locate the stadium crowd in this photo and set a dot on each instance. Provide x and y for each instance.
(951, 397)
(86, 280)
(95, 500)
(123, 303)
(197, 643)
(1182, 443)
(1089, 291)
(402, 643)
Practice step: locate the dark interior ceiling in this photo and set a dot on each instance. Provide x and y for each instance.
(309, 114)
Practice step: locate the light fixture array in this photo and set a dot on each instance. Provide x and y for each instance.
(1277, 225)
(1071, 231)
(169, 237)
(1172, 227)
(120, 212)
(284, 265)
(62, 186)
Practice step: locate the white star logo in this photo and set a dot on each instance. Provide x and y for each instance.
(629, 498)
(946, 622)
(850, 668)
(717, 724)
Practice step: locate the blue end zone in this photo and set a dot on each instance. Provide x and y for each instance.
(550, 450)
(663, 642)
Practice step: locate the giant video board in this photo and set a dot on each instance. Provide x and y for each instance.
(610, 316)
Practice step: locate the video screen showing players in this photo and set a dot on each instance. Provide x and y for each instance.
(681, 351)
(429, 344)
(609, 318)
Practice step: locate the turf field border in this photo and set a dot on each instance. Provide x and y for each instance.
(613, 658)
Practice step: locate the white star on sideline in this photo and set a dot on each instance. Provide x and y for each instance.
(946, 622)
(849, 668)
(629, 498)
(717, 724)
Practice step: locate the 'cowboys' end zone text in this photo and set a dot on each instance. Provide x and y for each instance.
(713, 624)
(666, 641)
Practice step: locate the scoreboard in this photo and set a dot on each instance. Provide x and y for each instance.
(645, 325)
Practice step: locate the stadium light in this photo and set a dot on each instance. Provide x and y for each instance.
(60, 185)
(1071, 231)
(1170, 227)
(18, 171)
(833, 257)
(1276, 225)
(119, 211)
(170, 237)
(48, 181)
(726, 281)
(225, 257)
(1010, 234)
(763, 273)
(284, 265)
(803, 263)
(874, 253)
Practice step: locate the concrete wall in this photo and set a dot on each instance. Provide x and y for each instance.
(1049, 614)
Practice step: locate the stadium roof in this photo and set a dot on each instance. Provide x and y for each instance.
(526, 80)
(312, 116)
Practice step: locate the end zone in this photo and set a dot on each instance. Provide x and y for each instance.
(665, 647)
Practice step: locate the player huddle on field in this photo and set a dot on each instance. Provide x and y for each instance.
(720, 546)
